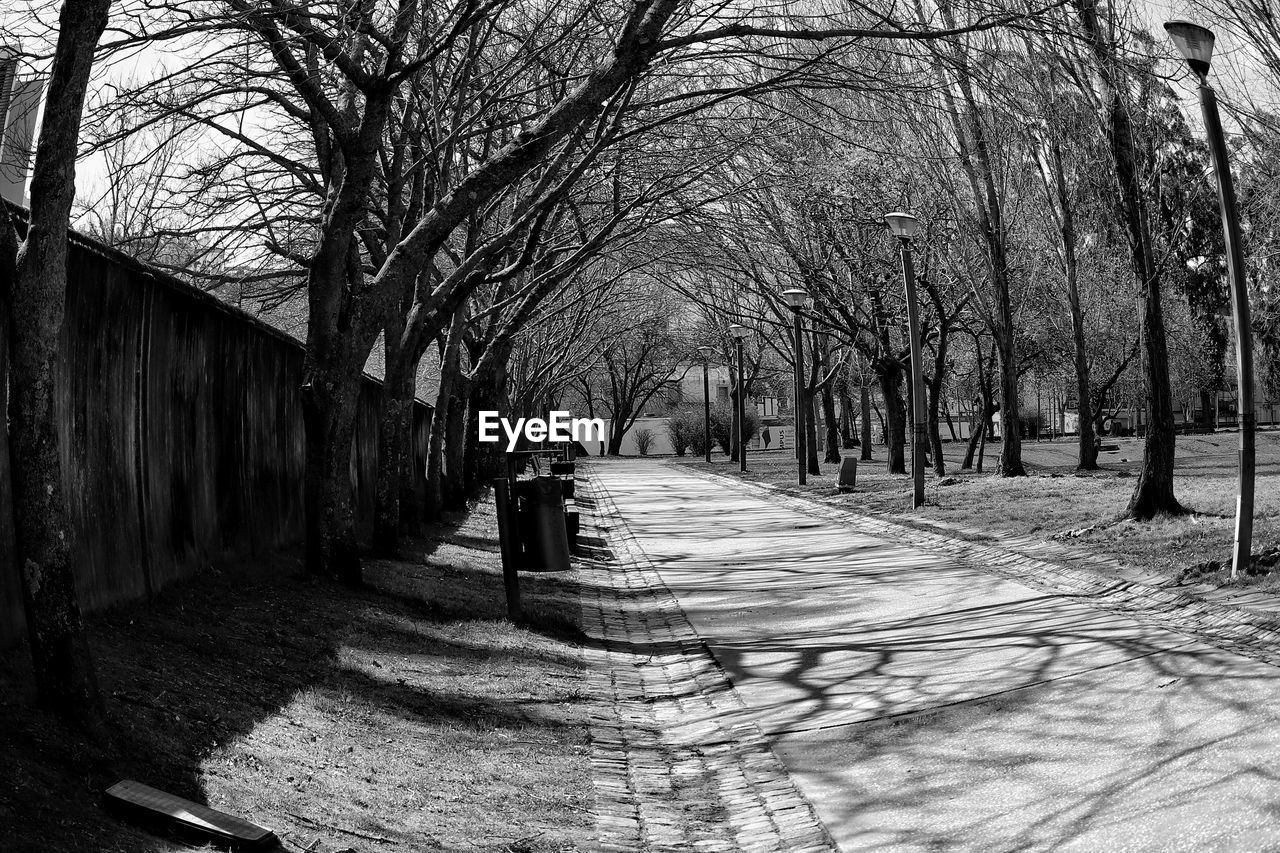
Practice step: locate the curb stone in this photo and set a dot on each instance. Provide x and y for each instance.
(670, 773)
(1063, 571)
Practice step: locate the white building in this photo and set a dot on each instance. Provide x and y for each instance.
(20, 101)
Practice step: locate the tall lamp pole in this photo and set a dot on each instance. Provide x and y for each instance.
(795, 299)
(706, 353)
(1195, 43)
(904, 226)
(740, 332)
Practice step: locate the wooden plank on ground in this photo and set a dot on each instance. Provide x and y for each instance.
(150, 804)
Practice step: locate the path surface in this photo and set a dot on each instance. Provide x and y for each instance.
(923, 704)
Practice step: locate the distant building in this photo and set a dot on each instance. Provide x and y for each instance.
(690, 387)
(20, 101)
(687, 392)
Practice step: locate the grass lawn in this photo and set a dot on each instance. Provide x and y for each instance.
(406, 717)
(1085, 508)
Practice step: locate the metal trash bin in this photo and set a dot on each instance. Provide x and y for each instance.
(543, 530)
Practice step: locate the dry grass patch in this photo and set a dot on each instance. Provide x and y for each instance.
(1057, 502)
(405, 717)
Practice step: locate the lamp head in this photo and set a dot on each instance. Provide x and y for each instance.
(902, 225)
(1194, 42)
(706, 352)
(795, 297)
(739, 332)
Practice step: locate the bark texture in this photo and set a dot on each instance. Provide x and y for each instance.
(1153, 494)
(865, 395)
(831, 425)
(890, 373)
(394, 439)
(37, 287)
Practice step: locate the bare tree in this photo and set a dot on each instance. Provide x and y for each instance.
(33, 286)
(1153, 493)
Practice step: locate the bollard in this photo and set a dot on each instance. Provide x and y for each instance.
(848, 474)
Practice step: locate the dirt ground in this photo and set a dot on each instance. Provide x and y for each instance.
(409, 716)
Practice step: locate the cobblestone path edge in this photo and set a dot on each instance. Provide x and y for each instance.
(670, 774)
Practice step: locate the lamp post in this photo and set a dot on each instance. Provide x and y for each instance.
(795, 299)
(1195, 43)
(740, 332)
(706, 353)
(904, 226)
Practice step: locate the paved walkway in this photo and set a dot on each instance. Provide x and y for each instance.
(921, 702)
(675, 766)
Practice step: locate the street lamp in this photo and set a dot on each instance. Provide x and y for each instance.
(706, 353)
(904, 226)
(795, 299)
(740, 332)
(1195, 43)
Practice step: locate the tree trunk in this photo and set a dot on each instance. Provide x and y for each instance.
(934, 398)
(339, 339)
(454, 486)
(982, 444)
(1088, 451)
(329, 406)
(488, 393)
(895, 413)
(866, 424)
(982, 417)
(935, 437)
(832, 424)
(1088, 448)
(37, 285)
(343, 322)
(1153, 493)
(847, 420)
(811, 432)
(1205, 421)
(450, 369)
(735, 429)
(975, 435)
(411, 509)
(975, 157)
(615, 437)
(395, 432)
(1010, 430)
(434, 500)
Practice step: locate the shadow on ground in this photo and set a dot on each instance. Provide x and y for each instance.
(212, 658)
(925, 704)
